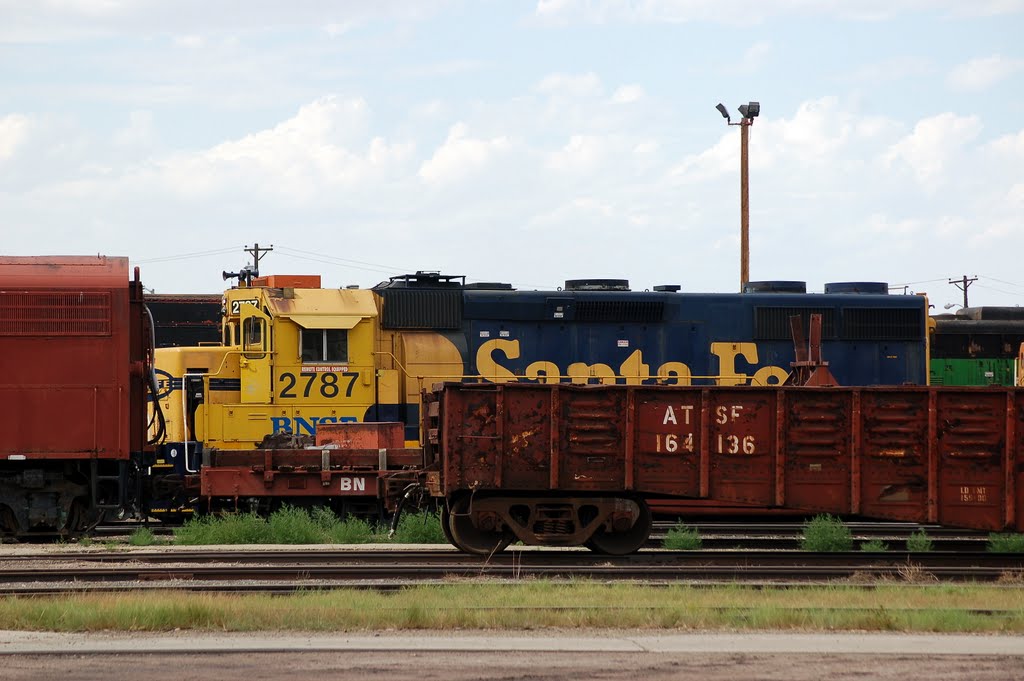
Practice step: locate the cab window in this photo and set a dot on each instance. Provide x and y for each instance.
(324, 345)
(253, 337)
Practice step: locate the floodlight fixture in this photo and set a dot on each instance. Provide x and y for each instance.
(722, 110)
(753, 109)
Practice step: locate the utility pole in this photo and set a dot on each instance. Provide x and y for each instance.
(249, 272)
(257, 254)
(962, 284)
(749, 112)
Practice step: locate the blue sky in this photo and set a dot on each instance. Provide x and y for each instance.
(529, 142)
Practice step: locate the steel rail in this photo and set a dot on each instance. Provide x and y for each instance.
(283, 570)
(520, 556)
(752, 535)
(412, 571)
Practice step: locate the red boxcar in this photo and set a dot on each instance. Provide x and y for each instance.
(74, 346)
(579, 465)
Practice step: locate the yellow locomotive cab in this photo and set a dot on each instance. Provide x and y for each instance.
(291, 358)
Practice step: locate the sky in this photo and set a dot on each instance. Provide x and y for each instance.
(527, 142)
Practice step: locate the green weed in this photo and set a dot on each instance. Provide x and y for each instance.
(419, 528)
(682, 538)
(236, 528)
(826, 533)
(289, 525)
(142, 536)
(874, 546)
(1006, 542)
(919, 542)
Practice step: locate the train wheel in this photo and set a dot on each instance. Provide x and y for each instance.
(469, 538)
(446, 524)
(82, 520)
(623, 543)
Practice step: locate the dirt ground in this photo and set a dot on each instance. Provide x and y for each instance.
(510, 666)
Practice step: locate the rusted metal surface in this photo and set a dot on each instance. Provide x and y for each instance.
(350, 460)
(809, 369)
(539, 521)
(952, 456)
(352, 435)
(326, 471)
(71, 339)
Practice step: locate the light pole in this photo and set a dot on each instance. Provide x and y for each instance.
(749, 112)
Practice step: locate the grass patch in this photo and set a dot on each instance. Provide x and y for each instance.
(142, 536)
(537, 604)
(919, 542)
(682, 538)
(874, 546)
(235, 528)
(419, 528)
(825, 533)
(290, 525)
(1006, 542)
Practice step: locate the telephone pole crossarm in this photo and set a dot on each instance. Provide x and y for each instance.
(963, 284)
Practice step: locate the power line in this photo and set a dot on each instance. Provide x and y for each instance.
(999, 290)
(188, 256)
(328, 260)
(1001, 281)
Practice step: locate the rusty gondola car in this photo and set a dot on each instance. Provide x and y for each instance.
(571, 465)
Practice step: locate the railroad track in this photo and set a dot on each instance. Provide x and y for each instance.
(282, 571)
(731, 535)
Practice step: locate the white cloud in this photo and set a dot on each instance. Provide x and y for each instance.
(745, 12)
(461, 156)
(190, 42)
(14, 130)
(336, 29)
(1009, 145)
(814, 136)
(885, 225)
(819, 128)
(982, 73)
(932, 143)
(139, 131)
(627, 94)
(302, 159)
(583, 85)
(65, 20)
(583, 153)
